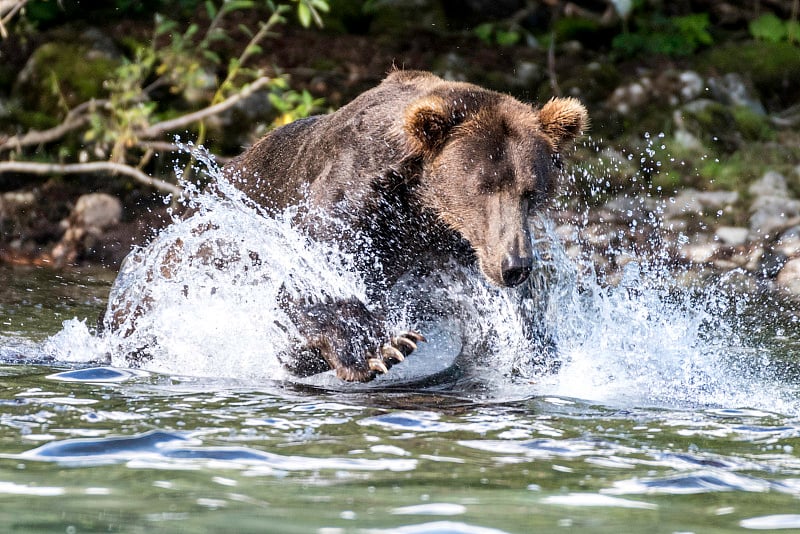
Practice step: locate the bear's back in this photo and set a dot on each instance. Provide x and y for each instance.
(337, 156)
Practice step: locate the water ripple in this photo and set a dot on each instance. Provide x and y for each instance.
(594, 499)
(98, 374)
(173, 449)
(688, 484)
(772, 522)
(437, 527)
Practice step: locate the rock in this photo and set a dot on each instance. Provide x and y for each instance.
(626, 98)
(697, 252)
(772, 208)
(12, 202)
(80, 62)
(666, 86)
(694, 202)
(527, 74)
(788, 243)
(772, 262)
(688, 141)
(771, 184)
(615, 168)
(731, 89)
(692, 85)
(770, 214)
(96, 212)
(92, 215)
(754, 259)
(632, 206)
(789, 276)
(731, 235)
(711, 122)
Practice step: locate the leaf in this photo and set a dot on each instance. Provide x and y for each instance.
(254, 49)
(304, 14)
(191, 30)
(211, 10)
(793, 31)
(321, 5)
(768, 27)
(694, 28)
(246, 30)
(212, 56)
(484, 32)
(164, 25)
(278, 102)
(507, 38)
(237, 5)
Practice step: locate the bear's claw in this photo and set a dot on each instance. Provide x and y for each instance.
(400, 341)
(389, 351)
(377, 365)
(395, 351)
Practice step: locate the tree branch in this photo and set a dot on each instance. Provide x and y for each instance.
(160, 128)
(7, 11)
(91, 167)
(38, 137)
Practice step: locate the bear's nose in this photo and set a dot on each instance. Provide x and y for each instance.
(516, 269)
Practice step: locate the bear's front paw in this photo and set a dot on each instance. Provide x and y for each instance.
(395, 351)
(343, 335)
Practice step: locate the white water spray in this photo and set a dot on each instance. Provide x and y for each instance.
(214, 312)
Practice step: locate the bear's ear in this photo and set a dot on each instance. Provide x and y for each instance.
(563, 119)
(427, 123)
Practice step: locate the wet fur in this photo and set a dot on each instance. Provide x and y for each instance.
(409, 175)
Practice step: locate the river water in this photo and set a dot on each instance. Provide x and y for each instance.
(676, 407)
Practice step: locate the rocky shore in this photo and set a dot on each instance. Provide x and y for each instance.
(676, 231)
(695, 160)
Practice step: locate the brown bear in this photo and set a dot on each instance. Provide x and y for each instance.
(411, 175)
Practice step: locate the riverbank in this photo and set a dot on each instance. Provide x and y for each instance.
(694, 159)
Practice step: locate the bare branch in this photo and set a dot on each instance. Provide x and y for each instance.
(36, 137)
(159, 146)
(75, 119)
(160, 128)
(91, 167)
(9, 8)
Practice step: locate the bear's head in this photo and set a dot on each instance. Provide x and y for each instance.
(488, 162)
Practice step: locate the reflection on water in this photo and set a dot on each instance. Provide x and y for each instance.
(675, 408)
(105, 449)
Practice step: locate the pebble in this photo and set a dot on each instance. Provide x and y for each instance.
(732, 235)
(770, 214)
(96, 211)
(789, 276)
(772, 184)
(692, 201)
(698, 253)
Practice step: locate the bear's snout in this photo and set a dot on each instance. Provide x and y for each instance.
(515, 269)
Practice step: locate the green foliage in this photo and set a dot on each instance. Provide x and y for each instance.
(56, 82)
(130, 108)
(49, 12)
(568, 28)
(191, 61)
(492, 33)
(774, 68)
(308, 10)
(769, 27)
(293, 105)
(671, 36)
(752, 126)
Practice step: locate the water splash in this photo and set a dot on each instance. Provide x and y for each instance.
(213, 312)
(655, 333)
